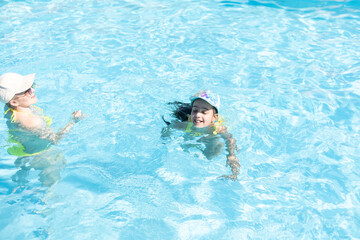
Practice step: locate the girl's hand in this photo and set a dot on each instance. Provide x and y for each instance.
(232, 177)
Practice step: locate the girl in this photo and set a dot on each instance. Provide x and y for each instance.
(200, 118)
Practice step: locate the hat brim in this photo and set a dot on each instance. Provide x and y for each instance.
(192, 100)
(28, 81)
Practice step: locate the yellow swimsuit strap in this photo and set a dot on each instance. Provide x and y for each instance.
(13, 115)
(220, 123)
(189, 128)
(189, 125)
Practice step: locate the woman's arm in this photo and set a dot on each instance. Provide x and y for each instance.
(48, 134)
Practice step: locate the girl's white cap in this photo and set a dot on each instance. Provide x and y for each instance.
(212, 98)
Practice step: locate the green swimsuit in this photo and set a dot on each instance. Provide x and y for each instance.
(23, 143)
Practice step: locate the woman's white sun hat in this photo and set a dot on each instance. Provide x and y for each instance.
(13, 83)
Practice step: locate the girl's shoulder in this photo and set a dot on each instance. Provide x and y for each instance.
(220, 129)
(220, 126)
(178, 125)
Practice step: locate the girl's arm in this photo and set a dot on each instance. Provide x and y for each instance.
(232, 160)
(166, 131)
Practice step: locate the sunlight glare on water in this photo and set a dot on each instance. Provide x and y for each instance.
(288, 76)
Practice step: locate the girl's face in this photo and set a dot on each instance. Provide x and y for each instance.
(202, 114)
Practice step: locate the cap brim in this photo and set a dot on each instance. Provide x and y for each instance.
(28, 81)
(192, 100)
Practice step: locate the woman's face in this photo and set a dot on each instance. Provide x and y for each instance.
(202, 114)
(24, 99)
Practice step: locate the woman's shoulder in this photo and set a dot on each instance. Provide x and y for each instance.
(30, 121)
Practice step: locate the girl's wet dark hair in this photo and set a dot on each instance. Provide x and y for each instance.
(180, 111)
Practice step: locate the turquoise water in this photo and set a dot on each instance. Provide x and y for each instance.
(288, 76)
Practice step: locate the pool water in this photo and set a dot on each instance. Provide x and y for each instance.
(288, 76)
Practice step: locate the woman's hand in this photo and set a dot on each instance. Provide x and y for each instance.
(77, 116)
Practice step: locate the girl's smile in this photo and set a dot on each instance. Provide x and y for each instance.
(202, 114)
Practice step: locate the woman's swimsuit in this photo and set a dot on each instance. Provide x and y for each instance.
(20, 138)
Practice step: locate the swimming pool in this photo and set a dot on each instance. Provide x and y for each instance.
(288, 76)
